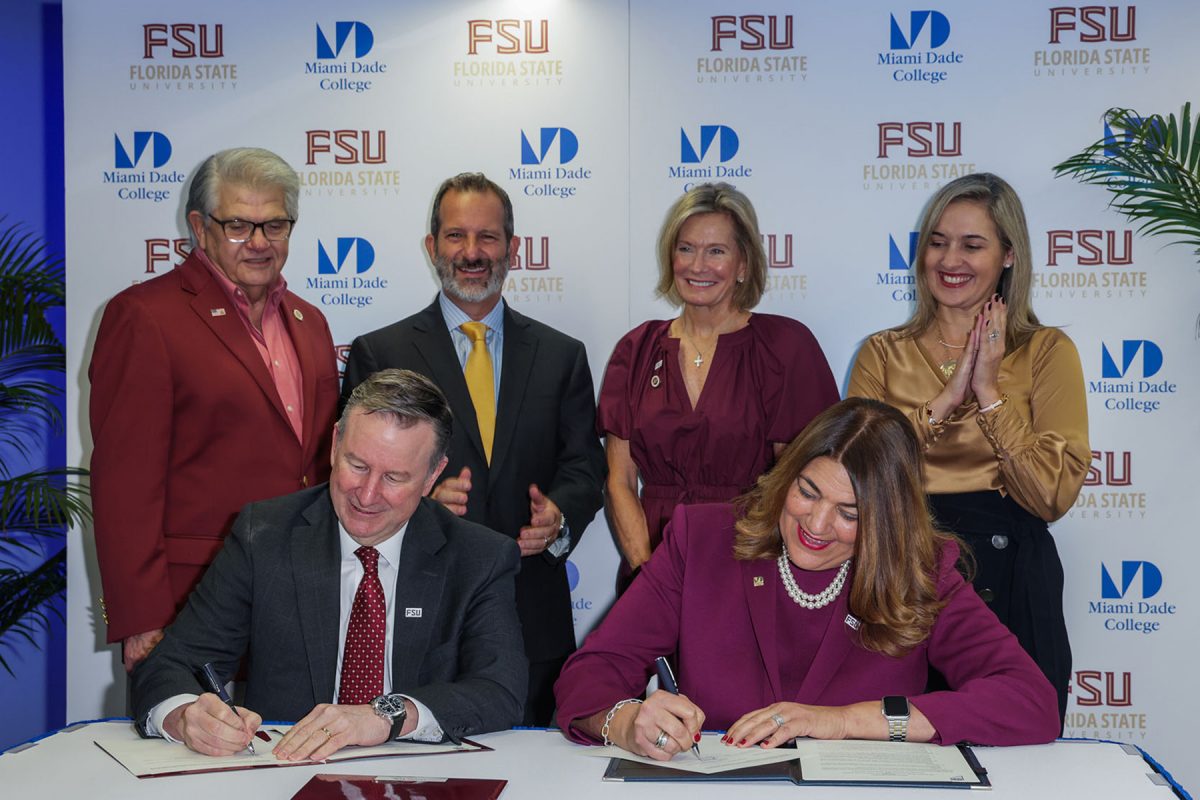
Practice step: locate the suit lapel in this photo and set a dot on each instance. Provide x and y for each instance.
(520, 349)
(836, 645)
(432, 341)
(419, 584)
(216, 311)
(316, 565)
(760, 582)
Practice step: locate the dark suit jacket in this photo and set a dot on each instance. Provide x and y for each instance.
(272, 593)
(545, 434)
(722, 615)
(187, 428)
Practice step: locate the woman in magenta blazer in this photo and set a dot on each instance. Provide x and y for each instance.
(797, 612)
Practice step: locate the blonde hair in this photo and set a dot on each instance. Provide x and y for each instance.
(1004, 208)
(715, 198)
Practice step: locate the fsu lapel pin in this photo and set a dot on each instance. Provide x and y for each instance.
(852, 621)
(758, 581)
(298, 314)
(217, 312)
(412, 613)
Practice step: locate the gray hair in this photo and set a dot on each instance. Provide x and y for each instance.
(245, 166)
(471, 182)
(407, 398)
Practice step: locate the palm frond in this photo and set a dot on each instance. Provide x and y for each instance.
(25, 601)
(1151, 167)
(37, 505)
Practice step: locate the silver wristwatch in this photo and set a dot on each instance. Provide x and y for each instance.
(895, 711)
(391, 708)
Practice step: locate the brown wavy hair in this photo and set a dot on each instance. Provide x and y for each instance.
(893, 590)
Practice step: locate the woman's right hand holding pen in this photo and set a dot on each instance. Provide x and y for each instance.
(639, 728)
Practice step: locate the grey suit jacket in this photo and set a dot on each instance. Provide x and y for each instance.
(545, 434)
(272, 595)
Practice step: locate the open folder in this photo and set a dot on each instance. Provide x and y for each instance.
(154, 758)
(812, 762)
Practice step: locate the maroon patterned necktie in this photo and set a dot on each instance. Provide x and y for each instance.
(362, 660)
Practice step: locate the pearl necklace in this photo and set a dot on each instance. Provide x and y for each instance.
(803, 598)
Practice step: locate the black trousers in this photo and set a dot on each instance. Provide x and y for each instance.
(1017, 573)
(539, 705)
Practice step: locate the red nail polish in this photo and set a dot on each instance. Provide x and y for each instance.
(743, 741)
(696, 738)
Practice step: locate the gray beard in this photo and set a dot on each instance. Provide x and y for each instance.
(473, 292)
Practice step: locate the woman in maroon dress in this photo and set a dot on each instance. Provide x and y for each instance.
(698, 406)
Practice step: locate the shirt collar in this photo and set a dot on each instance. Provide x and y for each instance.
(389, 549)
(455, 316)
(233, 291)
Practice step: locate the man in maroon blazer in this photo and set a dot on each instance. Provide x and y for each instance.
(212, 386)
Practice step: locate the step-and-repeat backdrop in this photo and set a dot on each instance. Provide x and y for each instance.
(838, 120)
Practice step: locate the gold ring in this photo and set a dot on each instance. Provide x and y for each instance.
(328, 733)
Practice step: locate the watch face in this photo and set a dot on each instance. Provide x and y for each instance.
(895, 706)
(390, 705)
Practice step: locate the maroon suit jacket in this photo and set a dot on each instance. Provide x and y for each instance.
(694, 596)
(187, 428)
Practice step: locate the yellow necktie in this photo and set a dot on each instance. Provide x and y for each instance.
(481, 383)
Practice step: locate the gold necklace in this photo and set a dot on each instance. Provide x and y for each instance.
(948, 366)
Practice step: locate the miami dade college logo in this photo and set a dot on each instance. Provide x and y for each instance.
(568, 146)
(1143, 572)
(725, 137)
(1150, 354)
(364, 256)
(349, 254)
(898, 279)
(137, 159)
(713, 146)
(916, 42)
(364, 39)
(343, 54)
(128, 158)
(1127, 378)
(1126, 598)
(540, 153)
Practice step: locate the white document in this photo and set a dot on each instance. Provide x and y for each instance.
(715, 756)
(147, 758)
(854, 761)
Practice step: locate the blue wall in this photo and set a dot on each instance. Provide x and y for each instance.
(31, 191)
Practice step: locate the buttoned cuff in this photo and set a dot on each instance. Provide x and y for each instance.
(158, 715)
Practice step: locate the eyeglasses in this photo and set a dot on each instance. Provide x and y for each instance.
(240, 230)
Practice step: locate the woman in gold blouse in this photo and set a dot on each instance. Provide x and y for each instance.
(998, 401)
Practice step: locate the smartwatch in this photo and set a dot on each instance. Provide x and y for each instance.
(391, 708)
(895, 711)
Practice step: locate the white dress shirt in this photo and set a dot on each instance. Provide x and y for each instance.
(428, 729)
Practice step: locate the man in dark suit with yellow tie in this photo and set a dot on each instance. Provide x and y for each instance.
(524, 459)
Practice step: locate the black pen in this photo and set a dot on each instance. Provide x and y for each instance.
(218, 688)
(666, 679)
